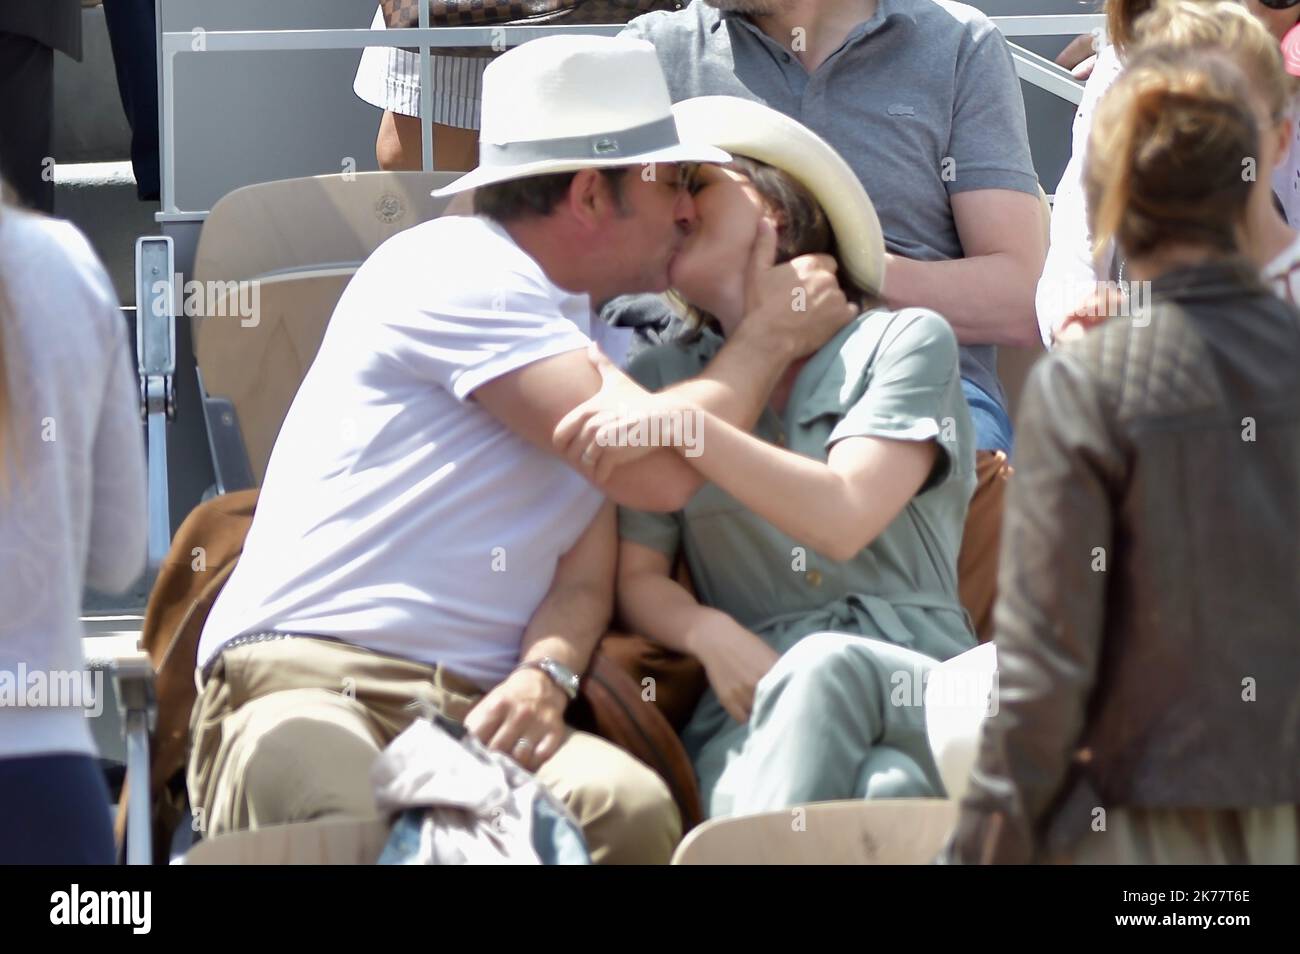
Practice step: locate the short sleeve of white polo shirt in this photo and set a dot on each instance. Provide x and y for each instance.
(482, 309)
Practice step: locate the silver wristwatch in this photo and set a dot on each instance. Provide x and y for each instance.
(560, 674)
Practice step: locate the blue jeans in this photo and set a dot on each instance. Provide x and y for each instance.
(992, 423)
(54, 811)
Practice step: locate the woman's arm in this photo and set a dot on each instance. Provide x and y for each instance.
(656, 606)
(837, 507)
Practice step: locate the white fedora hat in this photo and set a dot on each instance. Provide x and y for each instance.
(748, 128)
(562, 103)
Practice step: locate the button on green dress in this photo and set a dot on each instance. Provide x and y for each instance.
(891, 374)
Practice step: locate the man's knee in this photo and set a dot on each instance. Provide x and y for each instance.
(285, 760)
(626, 811)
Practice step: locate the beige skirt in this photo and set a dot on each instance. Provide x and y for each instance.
(1191, 836)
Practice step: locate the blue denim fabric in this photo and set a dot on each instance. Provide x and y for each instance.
(992, 423)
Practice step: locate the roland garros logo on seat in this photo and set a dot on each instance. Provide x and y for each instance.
(389, 208)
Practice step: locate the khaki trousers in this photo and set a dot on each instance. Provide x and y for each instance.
(286, 730)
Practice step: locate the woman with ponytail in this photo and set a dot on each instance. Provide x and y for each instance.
(1148, 614)
(72, 512)
(1251, 36)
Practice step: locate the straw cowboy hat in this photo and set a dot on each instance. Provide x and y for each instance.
(748, 128)
(562, 103)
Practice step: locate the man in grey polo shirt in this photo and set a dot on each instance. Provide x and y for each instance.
(921, 98)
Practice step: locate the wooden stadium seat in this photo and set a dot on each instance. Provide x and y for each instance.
(260, 368)
(886, 832)
(301, 240)
(312, 222)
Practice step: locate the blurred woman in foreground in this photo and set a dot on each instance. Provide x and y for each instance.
(72, 512)
(1148, 609)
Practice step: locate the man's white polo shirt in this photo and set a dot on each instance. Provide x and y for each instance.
(396, 514)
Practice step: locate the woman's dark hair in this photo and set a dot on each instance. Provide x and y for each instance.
(536, 195)
(802, 228)
(1167, 152)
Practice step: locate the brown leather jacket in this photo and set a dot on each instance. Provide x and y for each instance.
(1148, 620)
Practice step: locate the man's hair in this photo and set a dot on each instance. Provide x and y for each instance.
(537, 195)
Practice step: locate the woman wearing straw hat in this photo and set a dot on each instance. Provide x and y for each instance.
(823, 551)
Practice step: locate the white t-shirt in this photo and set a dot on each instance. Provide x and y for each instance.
(1283, 273)
(396, 514)
(75, 510)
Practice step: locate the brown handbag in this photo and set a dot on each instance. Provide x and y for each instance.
(401, 14)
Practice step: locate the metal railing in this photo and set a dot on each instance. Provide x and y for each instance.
(1030, 67)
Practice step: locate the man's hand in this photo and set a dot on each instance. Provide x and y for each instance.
(590, 436)
(734, 660)
(799, 304)
(522, 717)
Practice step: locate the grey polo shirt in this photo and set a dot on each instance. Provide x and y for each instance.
(922, 100)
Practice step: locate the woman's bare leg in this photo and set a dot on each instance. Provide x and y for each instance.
(398, 145)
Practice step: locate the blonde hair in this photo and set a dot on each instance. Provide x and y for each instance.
(1167, 153)
(1120, 17)
(1225, 27)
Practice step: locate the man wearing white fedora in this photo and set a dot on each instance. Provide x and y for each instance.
(417, 540)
